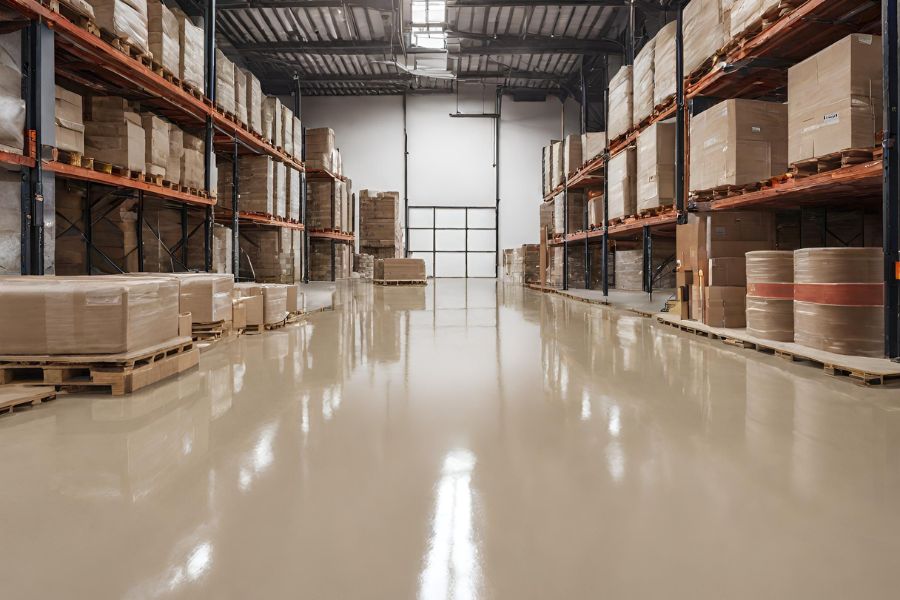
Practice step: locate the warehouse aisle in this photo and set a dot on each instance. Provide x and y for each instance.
(466, 440)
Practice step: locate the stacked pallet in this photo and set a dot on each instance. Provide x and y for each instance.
(271, 255)
(320, 265)
(327, 205)
(113, 133)
(379, 224)
(531, 263)
(364, 264)
(399, 270)
(321, 152)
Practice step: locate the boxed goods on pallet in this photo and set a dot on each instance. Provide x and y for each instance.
(274, 300)
(176, 154)
(124, 19)
(320, 265)
(224, 82)
(770, 295)
(254, 103)
(572, 154)
(222, 255)
(279, 173)
(835, 99)
(656, 166)
(593, 144)
(839, 300)
(577, 264)
(743, 15)
(547, 212)
(12, 106)
(192, 169)
(295, 300)
(293, 193)
(240, 95)
(247, 311)
(400, 269)
(554, 267)
(256, 177)
(664, 65)
(557, 168)
(546, 170)
(575, 213)
(595, 211)
(705, 32)
(719, 306)
(320, 149)
(622, 174)
(271, 120)
(629, 269)
(737, 142)
(287, 130)
(156, 146)
(364, 264)
(323, 203)
(207, 296)
(162, 25)
(298, 137)
(86, 315)
(643, 82)
(69, 121)
(114, 135)
(531, 262)
(621, 102)
(379, 224)
(192, 48)
(270, 255)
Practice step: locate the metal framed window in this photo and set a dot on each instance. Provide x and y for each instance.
(454, 241)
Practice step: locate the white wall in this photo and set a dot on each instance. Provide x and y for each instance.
(450, 159)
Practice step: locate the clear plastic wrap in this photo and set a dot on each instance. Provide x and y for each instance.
(595, 211)
(126, 19)
(224, 82)
(572, 153)
(287, 130)
(621, 172)
(156, 148)
(737, 142)
(656, 166)
(164, 36)
(621, 102)
(298, 137)
(838, 305)
(575, 212)
(664, 64)
(207, 296)
(742, 14)
(556, 156)
(240, 95)
(176, 152)
(192, 167)
(593, 144)
(193, 52)
(10, 222)
(86, 315)
(770, 266)
(271, 120)
(280, 189)
(770, 295)
(704, 32)
(293, 194)
(320, 148)
(12, 106)
(842, 100)
(69, 121)
(644, 82)
(254, 103)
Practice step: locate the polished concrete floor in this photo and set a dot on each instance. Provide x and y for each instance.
(465, 440)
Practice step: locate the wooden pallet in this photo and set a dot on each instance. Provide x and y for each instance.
(14, 396)
(399, 282)
(860, 370)
(75, 13)
(724, 191)
(646, 213)
(126, 47)
(120, 373)
(209, 331)
(832, 162)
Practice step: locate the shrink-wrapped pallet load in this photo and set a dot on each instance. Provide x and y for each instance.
(163, 37)
(298, 137)
(274, 298)
(546, 169)
(572, 154)
(240, 95)
(364, 264)
(738, 142)
(557, 171)
(207, 296)
(12, 106)
(531, 262)
(704, 32)
(254, 103)
(770, 295)
(224, 82)
(124, 19)
(621, 103)
(595, 211)
(320, 149)
(593, 144)
(835, 99)
(280, 189)
(287, 130)
(547, 211)
(622, 174)
(10, 222)
(379, 224)
(400, 269)
(176, 154)
(256, 177)
(270, 255)
(656, 166)
(114, 135)
(192, 52)
(571, 204)
(644, 82)
(222, 245)
(664, 78)
(293, 194)
(320, 263)
(87, 315)
(271, 120)
(69, 121)
(839, 300)
(156, 145)
(744, 15)
(192, 169)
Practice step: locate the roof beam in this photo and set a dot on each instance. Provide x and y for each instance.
(317, 47)
(382, 5)
(492, 45)
(647, 5)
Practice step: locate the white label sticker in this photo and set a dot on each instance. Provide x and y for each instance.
(865, 39)
(756, 129)
(831, 119)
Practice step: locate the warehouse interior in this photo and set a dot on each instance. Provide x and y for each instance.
(449, 298)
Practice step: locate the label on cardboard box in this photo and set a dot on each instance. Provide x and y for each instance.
(831, 119)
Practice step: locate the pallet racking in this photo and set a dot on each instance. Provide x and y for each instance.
(755, 66)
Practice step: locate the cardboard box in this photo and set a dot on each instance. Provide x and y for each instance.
(293, 298)
(225, 92)
(664, 65)
(684, 279)
(721, 235)
(400, 269)
(731, 271)
(621, 102)
(124, 19)
(176, 154)
(69, 121)
(185, 324)
(643, 82)
(206, 296)
(321, 152)
(557, 170)
(724, 306)
(572, 154)
(192, 52)
(741, 15)
(257, 184)
(622, 173)
(156, 145)
(86, 315)
(252, 309)
(192, 168)
(238, 314)
(287, 130)
(738, 142)
(121, 144)
(655, 170)
(271, 120)
(163, 36)
(254, 103)
(240, 95)
(836, 99)
(593, 144)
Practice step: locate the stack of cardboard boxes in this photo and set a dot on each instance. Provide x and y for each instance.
(379, 224)
(327, 205)
(69, 121)
(271, 255)
(400, 269)
(321, 153)
(531, 263)
(113, 133)
(320, 254)
(621, 102)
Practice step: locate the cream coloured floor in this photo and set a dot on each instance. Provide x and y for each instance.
(465, 440)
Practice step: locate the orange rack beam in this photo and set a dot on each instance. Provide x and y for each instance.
(224, 214)
(11, 158)
(339, 236)
(323, 174)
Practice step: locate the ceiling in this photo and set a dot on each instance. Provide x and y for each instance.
(371, 47)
